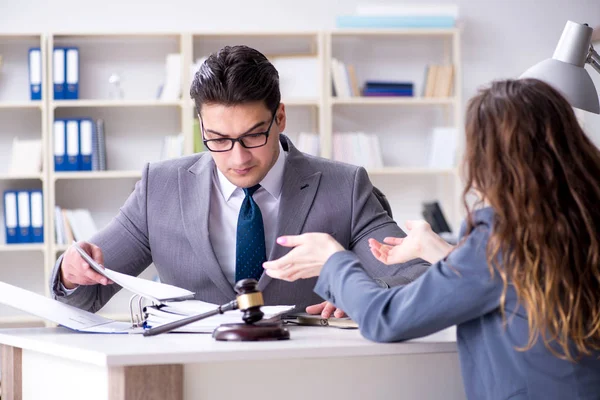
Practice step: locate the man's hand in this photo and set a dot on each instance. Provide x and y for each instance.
(325, 309)
(74, 270)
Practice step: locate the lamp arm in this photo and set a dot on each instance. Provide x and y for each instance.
(593, 59)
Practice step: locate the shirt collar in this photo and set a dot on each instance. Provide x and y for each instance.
(272, 183)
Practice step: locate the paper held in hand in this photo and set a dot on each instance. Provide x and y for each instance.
(154, 291)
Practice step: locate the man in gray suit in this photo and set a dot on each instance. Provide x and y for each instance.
(210, 219)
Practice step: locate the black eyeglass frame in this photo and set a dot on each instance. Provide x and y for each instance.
(240, 139)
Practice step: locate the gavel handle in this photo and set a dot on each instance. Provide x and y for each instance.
(232, 305)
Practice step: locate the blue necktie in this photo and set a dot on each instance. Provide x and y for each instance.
(250, 252)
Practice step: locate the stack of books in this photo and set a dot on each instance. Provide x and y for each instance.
(73, 225)
(388, 88)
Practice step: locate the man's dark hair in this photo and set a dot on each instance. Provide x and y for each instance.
(236, 75)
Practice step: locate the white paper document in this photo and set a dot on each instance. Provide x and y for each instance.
(59, 313)
(155, 291)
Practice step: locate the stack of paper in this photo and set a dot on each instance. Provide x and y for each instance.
(173, 311)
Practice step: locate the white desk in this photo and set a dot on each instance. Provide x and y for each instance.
(316, 363)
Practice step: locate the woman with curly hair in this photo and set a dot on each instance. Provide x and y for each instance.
(523, 283)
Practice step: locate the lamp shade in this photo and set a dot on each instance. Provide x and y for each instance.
(565, 70)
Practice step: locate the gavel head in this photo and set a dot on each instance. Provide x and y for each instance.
(249, 300)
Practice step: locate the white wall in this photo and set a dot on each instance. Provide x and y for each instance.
(501, 37)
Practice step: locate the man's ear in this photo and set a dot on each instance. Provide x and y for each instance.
(280, 118)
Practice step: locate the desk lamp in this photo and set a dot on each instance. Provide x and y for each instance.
(249, 300)
(565, 70)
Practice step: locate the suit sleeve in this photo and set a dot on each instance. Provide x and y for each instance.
(125, 245)
(370, 220)
(452, 291)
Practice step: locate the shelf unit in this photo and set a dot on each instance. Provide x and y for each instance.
(26, 119)
(136, 124)
(399, 54)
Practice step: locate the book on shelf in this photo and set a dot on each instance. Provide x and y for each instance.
(357, 148)
(298, 76)
(172, 146)
(340, 78)
(24, 216)
(171, 89)
(73, 225)
(388, 88)
(306, 142)
(35, 73)
(26, 156)
(444, 142)
(439, 80)
(79, 145)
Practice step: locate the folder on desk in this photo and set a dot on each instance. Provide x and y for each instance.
(60, 145)
(72, 144)
(37, 216)
(72, 73)
(59, 313)
(11, 217)
(24, 216)
(58, 73)
(35, 73)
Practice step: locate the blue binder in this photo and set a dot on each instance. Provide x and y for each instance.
(11, 220)
(86, 138)
(35, 73)
(59, 75)
(37, 216)
(72, 144)
(72, 67)
(24, 216)
(60, 145)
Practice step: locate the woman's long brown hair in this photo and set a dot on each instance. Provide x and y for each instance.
(531, 161)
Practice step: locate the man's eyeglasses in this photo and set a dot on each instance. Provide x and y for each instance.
(248, 141)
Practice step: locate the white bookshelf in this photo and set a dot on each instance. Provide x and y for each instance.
(403, 124)
(22, 264)
(136, 124)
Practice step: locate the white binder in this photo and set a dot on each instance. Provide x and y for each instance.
(24, 212)
(72, 145)
(58, 73)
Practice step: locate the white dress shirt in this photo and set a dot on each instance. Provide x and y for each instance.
(225, 203)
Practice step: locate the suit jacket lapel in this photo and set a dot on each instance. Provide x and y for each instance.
(300, 184)
(195, 186)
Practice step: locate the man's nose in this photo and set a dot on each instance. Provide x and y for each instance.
(240, 154)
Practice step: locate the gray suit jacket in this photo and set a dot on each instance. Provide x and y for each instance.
(165, 222)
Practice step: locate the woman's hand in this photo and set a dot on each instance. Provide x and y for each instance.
(310, 251)
(420, 242)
